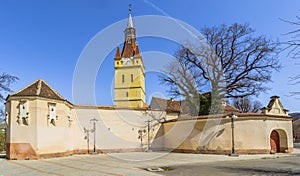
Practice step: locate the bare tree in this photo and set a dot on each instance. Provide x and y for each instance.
(247, 105)
(184, 83)
(294, 43)
(5, 82)
(181, 80)
(293, 46)
(234, 61)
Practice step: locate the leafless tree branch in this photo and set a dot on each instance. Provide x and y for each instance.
(234, 61)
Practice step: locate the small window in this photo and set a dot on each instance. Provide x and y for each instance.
(117, 63)
(126, 94)
(23, 118)
(277, 110)
(69, 116)
(52, 118)
(6, 117)
(137, 61)
(123, 78)
(131, 77)
(129, 41)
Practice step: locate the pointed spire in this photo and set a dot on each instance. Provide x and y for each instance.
(118, 53)
(137, 50)
(130, 23)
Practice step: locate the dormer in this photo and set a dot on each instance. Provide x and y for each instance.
(274, 107)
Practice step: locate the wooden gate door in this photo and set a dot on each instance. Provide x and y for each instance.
(274, 142)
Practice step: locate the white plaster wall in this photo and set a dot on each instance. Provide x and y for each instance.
(52, 138)
(19, 133)
(118, 129)
(250, 133)
(115, 129)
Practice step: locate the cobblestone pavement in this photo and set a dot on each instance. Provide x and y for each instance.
(283, 166)
(117, 164)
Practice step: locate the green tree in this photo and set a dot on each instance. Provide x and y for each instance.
(202, 107)
(2, 137)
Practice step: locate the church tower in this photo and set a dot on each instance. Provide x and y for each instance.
(129, 88)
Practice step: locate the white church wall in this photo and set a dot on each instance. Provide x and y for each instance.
(252, 134)
(53, 127)
(116, 129)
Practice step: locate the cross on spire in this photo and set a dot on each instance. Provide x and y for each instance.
(130, 23)
(129, 8)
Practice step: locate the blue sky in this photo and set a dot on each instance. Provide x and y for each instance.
(44, 38)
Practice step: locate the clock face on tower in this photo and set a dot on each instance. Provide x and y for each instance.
(127, 61)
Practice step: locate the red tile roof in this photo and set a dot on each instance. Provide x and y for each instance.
(118, 54)
(39, 88)
(228, 109)
(177, 106)
(165, 104)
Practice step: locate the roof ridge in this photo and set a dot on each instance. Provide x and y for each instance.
(39, 87)
(60, 96)
(26, 87)
(37, 91)
(229, 105)
(167, 99)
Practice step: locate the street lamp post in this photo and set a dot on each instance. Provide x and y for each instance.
(232, 117)
(94, 120)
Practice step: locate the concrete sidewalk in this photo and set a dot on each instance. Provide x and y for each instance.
(116, 164)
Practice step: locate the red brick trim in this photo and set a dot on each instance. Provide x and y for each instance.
(23, 151)
(20, 151)
(243, 151)
(85, 151)
(121, 150)
(286, 149)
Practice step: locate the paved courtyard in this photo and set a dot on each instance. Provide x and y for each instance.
(121, 163)
(282, 166)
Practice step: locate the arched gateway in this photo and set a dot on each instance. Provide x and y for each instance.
(274, 142)
(278, 141)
